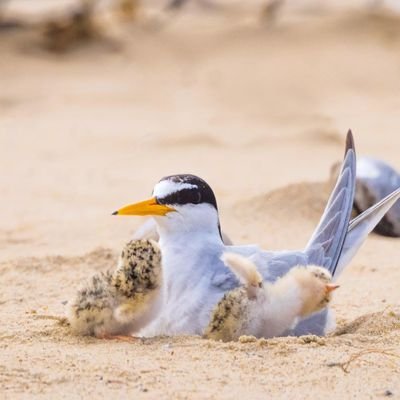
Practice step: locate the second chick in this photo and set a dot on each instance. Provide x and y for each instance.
(120, 302)
(267, 309)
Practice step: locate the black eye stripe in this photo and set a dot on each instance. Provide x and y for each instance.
(198, 194)
(184, 196)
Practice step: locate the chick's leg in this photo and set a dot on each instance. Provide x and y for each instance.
(122, 338)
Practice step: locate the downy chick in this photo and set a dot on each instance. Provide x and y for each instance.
(121, 302)
(267, 309)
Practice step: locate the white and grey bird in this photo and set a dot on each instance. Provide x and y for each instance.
(185, 210)
(117, 304)
(375, 179)
(264, 309)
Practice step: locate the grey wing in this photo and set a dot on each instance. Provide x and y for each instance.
(361, 226)
(271, 264)
(223, 278)
(325, 245)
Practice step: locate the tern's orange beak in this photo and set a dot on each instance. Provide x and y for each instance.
(147, 207)
(330, 287)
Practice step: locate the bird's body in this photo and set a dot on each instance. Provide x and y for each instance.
(185, 210)
(120, 302)
(186, 308)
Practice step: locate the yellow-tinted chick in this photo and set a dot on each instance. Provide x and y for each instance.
(120, 303)
(267, 309)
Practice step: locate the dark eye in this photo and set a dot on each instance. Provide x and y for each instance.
(196, 198)
(188, 196)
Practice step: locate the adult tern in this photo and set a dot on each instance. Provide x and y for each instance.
(195, 278)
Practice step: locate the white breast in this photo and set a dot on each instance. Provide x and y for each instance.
(189, 297)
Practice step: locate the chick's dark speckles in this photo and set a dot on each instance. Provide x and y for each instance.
(110, 302)
(229, 316)
(139, 268)
(95, 288)
(324, 302)
(322, 275)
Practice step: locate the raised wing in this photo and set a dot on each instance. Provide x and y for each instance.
(325, 245)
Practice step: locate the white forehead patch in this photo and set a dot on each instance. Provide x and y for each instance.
(165, 188)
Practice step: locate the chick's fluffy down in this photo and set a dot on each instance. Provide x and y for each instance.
(118, 303)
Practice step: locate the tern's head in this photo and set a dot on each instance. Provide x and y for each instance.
(179, 203)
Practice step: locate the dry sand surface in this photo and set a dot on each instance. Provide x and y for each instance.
(260, 113)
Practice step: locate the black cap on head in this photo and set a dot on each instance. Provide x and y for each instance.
(196, 191)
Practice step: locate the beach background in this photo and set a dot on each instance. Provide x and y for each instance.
(255, 100)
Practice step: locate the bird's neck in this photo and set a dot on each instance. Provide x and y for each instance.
(182, 238)
(189, 226)
(181, 249)
(186, 255)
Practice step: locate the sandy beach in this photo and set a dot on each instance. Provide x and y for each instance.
(260, 112)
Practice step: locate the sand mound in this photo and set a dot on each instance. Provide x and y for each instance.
(300, 201)
(379, 323)
(295, 209)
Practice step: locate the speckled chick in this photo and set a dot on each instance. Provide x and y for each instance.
(263, 309)
(120, 302)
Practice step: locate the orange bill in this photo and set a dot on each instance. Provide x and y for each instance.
(147, 207)
(330, 287)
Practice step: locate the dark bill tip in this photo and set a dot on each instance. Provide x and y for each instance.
(115, 213)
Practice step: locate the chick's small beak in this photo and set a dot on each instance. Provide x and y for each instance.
(147, 207)
(330, 287)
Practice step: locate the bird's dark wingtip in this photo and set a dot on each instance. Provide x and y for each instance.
(349, 141)
(115, 213)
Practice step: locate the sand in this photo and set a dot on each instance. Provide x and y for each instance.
(261, 113)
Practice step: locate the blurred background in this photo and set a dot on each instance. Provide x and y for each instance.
(100, 99)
